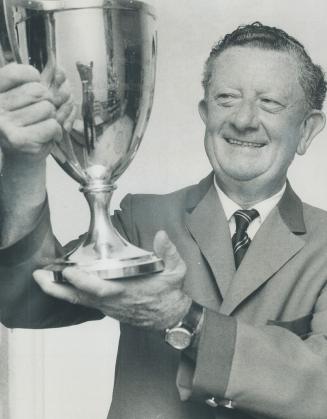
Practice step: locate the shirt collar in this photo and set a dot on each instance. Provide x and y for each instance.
(263, 207)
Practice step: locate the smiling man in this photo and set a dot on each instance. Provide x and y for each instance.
(236, 325)
(257, 116)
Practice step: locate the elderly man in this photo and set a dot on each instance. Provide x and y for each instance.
(236, 325)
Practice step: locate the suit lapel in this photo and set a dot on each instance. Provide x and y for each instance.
(207, 224)
(276, 242)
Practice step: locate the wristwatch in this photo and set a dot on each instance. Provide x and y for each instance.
(181, 336)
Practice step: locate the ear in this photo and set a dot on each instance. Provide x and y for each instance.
(203, 110)
(312, 125)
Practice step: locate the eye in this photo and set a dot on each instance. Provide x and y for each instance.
(226, 99)
(271, 105)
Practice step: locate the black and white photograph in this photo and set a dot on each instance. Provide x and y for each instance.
(163, 209)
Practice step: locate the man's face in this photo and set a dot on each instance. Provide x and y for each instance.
(255, 114)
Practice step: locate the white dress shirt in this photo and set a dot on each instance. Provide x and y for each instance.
(264, 208)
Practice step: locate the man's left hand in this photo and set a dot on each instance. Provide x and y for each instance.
(153, 301)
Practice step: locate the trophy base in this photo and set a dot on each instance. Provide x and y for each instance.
(112, 268)
(102, 251)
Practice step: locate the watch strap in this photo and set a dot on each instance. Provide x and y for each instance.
(193, 317)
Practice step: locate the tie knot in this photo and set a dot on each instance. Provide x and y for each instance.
(243, 219)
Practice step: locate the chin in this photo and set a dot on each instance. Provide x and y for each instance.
(243, 177)
(240, 174)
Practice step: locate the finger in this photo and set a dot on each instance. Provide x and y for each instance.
(22, 96)
(49, 71)
(91, 284)
(46, 281)
(13, 75)
(31, 138)
(44, 132)
(60, 95)
(33, 114)
(165, 249)
(69, 122)
(64, 113)
(60, 77)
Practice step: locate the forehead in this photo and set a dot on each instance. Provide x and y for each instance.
(257, 68)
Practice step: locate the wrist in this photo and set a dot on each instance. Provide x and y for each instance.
(23, 176)
(184, 334)
(21, 162)
(22, 195)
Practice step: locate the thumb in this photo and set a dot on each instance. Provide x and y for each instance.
(49, 71)
(166, 249)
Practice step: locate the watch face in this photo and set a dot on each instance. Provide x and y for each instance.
(179, 338)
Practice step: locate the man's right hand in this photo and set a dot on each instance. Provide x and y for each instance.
(31, 116)
(27, 113)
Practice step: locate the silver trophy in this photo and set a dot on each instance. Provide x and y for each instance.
(107, 49)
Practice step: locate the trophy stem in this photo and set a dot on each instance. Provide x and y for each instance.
(101, 231)
(104, 251)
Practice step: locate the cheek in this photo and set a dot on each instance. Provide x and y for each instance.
(209, 142)
(284, 146)
(286, 137)
(212, 148)
(216, 118)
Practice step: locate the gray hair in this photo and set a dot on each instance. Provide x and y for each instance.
(311, 76)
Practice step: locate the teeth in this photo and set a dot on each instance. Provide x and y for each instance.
(244, 143)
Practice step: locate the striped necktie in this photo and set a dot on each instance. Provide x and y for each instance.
(241, 240)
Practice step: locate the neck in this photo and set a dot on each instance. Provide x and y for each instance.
(249, 193)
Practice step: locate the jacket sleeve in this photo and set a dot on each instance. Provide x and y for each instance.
(270, 371)
(22, 303)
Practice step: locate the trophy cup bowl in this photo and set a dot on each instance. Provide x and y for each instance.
(107, 49)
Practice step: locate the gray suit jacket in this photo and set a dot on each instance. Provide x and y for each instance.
(263, 343)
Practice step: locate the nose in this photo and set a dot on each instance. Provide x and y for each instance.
(245, 116)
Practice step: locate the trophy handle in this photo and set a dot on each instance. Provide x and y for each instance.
(9, 46)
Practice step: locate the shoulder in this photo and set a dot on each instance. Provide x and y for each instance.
(142, 201)
(151, 209)
(313, 213)
(141, 215)
(179, 199)
(315, 220)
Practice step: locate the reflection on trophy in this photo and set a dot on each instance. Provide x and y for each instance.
(107, 49)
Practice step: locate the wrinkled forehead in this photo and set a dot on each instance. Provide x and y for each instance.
(261, 68)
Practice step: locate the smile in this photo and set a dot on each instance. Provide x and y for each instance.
(244, 143)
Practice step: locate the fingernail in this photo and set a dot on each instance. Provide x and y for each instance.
(165, 239)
